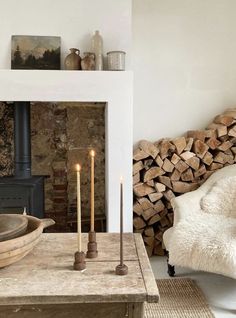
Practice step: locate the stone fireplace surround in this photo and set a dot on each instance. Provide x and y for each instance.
(114, 88)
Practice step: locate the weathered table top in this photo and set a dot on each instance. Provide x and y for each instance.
(46, 275)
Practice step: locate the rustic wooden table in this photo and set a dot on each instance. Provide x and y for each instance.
(44, 284)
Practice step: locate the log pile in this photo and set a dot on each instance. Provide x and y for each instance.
(171, 167)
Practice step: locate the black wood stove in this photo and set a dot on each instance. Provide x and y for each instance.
(22, 190)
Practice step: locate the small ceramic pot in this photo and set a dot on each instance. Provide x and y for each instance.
(88, 62)
(116, 61)
(73, 60)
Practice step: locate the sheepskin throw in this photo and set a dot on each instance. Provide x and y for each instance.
(203, 236)
(221, 198)
(205, 242)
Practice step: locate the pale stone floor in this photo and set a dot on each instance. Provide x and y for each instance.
(220, 291)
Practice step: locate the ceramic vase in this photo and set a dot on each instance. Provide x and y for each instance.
(88, 62)
(73, 60)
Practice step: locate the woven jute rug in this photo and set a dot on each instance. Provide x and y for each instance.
(179, 298)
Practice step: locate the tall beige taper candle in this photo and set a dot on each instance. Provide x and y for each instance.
(78, 168)
(92, 154)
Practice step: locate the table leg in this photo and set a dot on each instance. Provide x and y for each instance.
(136, 310)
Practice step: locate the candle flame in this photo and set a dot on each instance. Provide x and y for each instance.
(78, 167)
(92, 153)
(121, 179)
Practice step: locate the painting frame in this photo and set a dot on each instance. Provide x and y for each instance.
(31, 52)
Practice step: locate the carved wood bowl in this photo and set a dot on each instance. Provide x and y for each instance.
(12, 225)
(15, 249)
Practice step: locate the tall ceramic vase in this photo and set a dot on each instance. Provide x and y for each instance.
(97, 49)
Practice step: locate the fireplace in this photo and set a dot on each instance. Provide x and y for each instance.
(22, 190)
(113, 88)
(61, 135)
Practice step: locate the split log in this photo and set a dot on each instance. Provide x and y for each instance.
(213, 143)
(155, 196)
(149, 148)
(164, 221)
(137, 208)
(138, 223)
(159, 236)
(181, 166)
(230, 112)
(189, 145)
(233, 149)
(232, 131)
(200, 171)
(139, 154)
(159, 206)
(159, 161)
(139, 231)
(211, 133)
(200, 148)
(149, 231)
(225, 146)
(193, 162)
(147, 163)
(149, 250)
(154, 219)
(187, 175)
(142, 189)
(175, 159)
(136, 178)
(147, 214)
(137, 167)
(160, 187)
(224, 119)
(180, 144)
(151, 183)
(216, 166)
(197, 134)
(183, 187)
(168, 166)
(187, 155)
(221, 130)
(220, 157)
(149, 240)
(175, 176)
(169, 195)
(166, 181)
(153, 173)
(166, 148)
(145, 203)
(208, 158)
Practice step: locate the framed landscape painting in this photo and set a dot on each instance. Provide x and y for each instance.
(35, 52)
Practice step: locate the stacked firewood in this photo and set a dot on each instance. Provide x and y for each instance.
(170, 167)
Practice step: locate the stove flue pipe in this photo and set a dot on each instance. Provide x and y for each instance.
(22, 139)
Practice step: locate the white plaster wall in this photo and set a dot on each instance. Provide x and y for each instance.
(184, 61)
(73, 20)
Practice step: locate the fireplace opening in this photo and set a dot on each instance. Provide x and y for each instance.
(61, 135)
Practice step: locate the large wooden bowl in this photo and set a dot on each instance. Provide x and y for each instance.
(13, 250)
(12, 225)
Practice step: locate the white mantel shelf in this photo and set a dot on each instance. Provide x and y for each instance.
(114, 88)
(65, 85)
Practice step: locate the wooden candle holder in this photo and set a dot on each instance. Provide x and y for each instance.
(121, 269)
(92, 245)
(79, 263)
